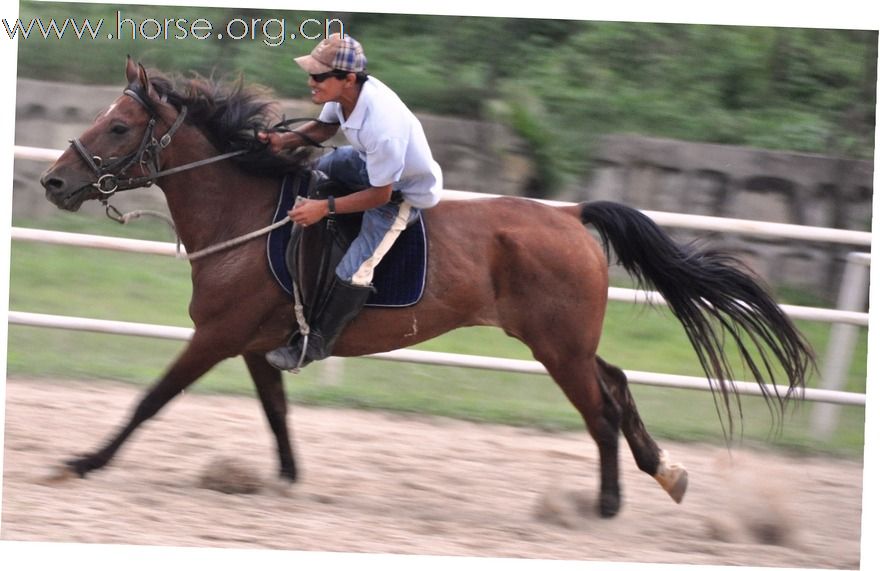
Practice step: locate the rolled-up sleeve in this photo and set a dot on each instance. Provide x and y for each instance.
(329, 113)
(385, 161)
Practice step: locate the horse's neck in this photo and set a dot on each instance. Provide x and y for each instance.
(215, 202)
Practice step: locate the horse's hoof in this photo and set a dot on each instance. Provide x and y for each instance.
(672, 477)
(82, 466)
(676, 492)
(609, 505)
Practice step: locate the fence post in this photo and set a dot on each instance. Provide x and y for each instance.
(841, 344)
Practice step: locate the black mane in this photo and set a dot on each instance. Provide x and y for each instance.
(230, 114)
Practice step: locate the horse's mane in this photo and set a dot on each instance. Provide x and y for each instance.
(230, 113)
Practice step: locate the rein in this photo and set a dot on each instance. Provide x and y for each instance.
(282, 126)
(114, 214)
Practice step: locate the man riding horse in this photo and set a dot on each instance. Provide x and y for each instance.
(388, 164)
(493, 254)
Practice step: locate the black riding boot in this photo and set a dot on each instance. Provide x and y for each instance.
(344, 303)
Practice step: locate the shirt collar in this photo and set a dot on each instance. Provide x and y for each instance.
(359, 113)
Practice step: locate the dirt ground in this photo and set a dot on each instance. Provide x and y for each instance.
(375, 482)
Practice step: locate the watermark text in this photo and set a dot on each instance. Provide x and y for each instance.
(271, 31)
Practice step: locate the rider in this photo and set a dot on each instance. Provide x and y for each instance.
(388, 163)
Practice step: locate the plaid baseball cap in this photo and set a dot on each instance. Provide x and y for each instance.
(335, 52)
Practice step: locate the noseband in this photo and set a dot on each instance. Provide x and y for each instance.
(108, 173)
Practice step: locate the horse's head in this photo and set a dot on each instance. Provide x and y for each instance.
(123, 142)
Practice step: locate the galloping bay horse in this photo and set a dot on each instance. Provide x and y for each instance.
(531, 269)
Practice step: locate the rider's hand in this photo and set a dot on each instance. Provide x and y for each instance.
(276, 141)
(307, 212)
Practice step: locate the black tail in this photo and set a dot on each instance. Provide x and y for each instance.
(710, 294)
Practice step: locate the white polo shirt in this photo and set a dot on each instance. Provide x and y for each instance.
(391, 141)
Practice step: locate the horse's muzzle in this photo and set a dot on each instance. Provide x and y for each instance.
(64, 192)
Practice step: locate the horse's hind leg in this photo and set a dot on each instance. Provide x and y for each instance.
(270, 388)
(577, 376)
(648, 456)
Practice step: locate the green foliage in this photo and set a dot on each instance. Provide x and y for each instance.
(807, 90)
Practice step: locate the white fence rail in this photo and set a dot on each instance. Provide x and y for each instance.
(730, 225)
(849, 316)
(614, 293)
(419, 357)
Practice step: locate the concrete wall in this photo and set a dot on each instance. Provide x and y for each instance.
(740, 182)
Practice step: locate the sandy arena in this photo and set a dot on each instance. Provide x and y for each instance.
(377, 482)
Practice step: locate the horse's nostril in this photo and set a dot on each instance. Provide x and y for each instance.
(52, 183)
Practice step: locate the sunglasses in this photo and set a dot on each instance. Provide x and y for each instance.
(320, 77)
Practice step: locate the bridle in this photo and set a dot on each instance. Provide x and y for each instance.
(108, 173)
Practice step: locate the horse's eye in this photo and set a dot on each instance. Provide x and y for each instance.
(119, 129)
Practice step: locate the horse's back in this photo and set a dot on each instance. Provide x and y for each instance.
(497, 232)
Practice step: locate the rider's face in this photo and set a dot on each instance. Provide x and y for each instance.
(330, 89)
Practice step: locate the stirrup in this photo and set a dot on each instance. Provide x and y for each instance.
(289, 350)
(302, 355)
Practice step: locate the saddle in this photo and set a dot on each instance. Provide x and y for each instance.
(310, 255)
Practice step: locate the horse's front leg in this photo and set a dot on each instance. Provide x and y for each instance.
(270, 388)
(197, 359)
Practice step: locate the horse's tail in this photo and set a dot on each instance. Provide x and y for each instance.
(710, 294)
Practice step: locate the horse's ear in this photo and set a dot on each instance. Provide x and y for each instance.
(145, 83)
(131, 70)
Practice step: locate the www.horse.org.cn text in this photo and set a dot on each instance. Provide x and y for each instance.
(272, 31)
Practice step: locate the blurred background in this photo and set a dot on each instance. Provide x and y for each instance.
(771, 124)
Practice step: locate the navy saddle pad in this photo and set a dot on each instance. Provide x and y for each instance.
(399, 279)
